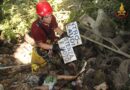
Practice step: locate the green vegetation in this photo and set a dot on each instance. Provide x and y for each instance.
(17, 15)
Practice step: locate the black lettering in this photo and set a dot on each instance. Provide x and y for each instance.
(77, 37)
(70, 31)
(71, 56)
(75, 32)
(72, 41)
(66, 58)
(73, 25)
(65, 53)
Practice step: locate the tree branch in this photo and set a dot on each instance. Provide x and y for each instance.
(105, 46)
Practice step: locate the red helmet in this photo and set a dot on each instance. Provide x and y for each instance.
(43, 9)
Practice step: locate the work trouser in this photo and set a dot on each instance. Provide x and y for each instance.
(39, 58)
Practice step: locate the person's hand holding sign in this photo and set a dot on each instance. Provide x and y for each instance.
(56, 48)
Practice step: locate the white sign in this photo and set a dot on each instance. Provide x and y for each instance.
(67, 51)
(73, 33)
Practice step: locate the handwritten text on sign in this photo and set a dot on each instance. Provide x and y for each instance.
(73, 33)
(67, 50)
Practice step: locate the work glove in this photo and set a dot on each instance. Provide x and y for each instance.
(55, 48)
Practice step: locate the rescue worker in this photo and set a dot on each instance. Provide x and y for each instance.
(43, 33)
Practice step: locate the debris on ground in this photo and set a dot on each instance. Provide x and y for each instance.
(103, 62)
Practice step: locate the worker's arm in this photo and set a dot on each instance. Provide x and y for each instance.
(31, 41)
(45, 45)
(54, 47)
(66, 77)
(43, 87)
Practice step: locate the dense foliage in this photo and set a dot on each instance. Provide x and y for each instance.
(17, 15)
